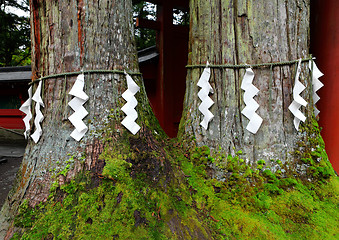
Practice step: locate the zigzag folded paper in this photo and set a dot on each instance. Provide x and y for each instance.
(38, 117)
(129, 107)
(26, 108)
(298, 101)
(316, 74)
(80, 97)
(251, 105)
(206, 101)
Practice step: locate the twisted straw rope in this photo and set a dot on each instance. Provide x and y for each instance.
(236, 66)
(79, 72)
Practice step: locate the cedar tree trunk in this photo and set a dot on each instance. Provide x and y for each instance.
(70, 36)
(113, 185)
(251, 32)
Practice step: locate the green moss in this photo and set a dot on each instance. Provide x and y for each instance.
(260, 200)
(116, 168)
(239, 152)
(313, 153)
(26, 216)
(149, 192)
(65, 171)
(16, 236)
(261, 162)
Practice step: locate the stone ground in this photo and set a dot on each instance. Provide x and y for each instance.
(11, 154)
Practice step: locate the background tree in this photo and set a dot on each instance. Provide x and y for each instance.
(144, 37)
(14, 34)
(116, 185)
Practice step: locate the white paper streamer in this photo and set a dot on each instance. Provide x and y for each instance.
(26, 108)
(129, 107)
(316, 74)
(206, 101)
(251, 105)
(298, 101)
(38, 117)
(80, 97)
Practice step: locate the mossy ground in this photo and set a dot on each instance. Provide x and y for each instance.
(148, 189)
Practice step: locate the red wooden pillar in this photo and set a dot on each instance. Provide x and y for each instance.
(166, 94)
(173, 50)
(164, 18)
(325, 47)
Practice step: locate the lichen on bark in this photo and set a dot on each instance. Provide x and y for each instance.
(251, 32)
(119, 186)
(70, 36)
(155, 190)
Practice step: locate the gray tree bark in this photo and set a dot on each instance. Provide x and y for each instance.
(70, 36)
(74, 35)
(251, 32)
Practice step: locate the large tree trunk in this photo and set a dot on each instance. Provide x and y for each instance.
(113, 185)
(247, 32)
(69, 36)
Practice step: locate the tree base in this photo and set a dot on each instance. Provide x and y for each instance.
(155, 190)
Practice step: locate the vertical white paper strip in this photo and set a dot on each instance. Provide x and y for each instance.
(316, 74)
(129, 107)
(26, 108)
(80, 97)
(206, 101)
(251, 105)
(298, 101)
(38, 114)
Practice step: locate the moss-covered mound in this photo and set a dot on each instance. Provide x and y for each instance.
(157, 190)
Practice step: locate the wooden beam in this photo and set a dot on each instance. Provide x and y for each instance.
(180, 3)
(15, 76)
(155, 1)
(175, 3)
(180, 29)
(145, 23)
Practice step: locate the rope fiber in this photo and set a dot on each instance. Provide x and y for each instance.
(236, 66)
(84, 72)
(259, 65)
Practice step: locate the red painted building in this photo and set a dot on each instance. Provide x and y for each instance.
(165, 74)
(13, 92)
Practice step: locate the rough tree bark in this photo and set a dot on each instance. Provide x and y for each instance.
(113, 185)
(70, 36)
(251, 32)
